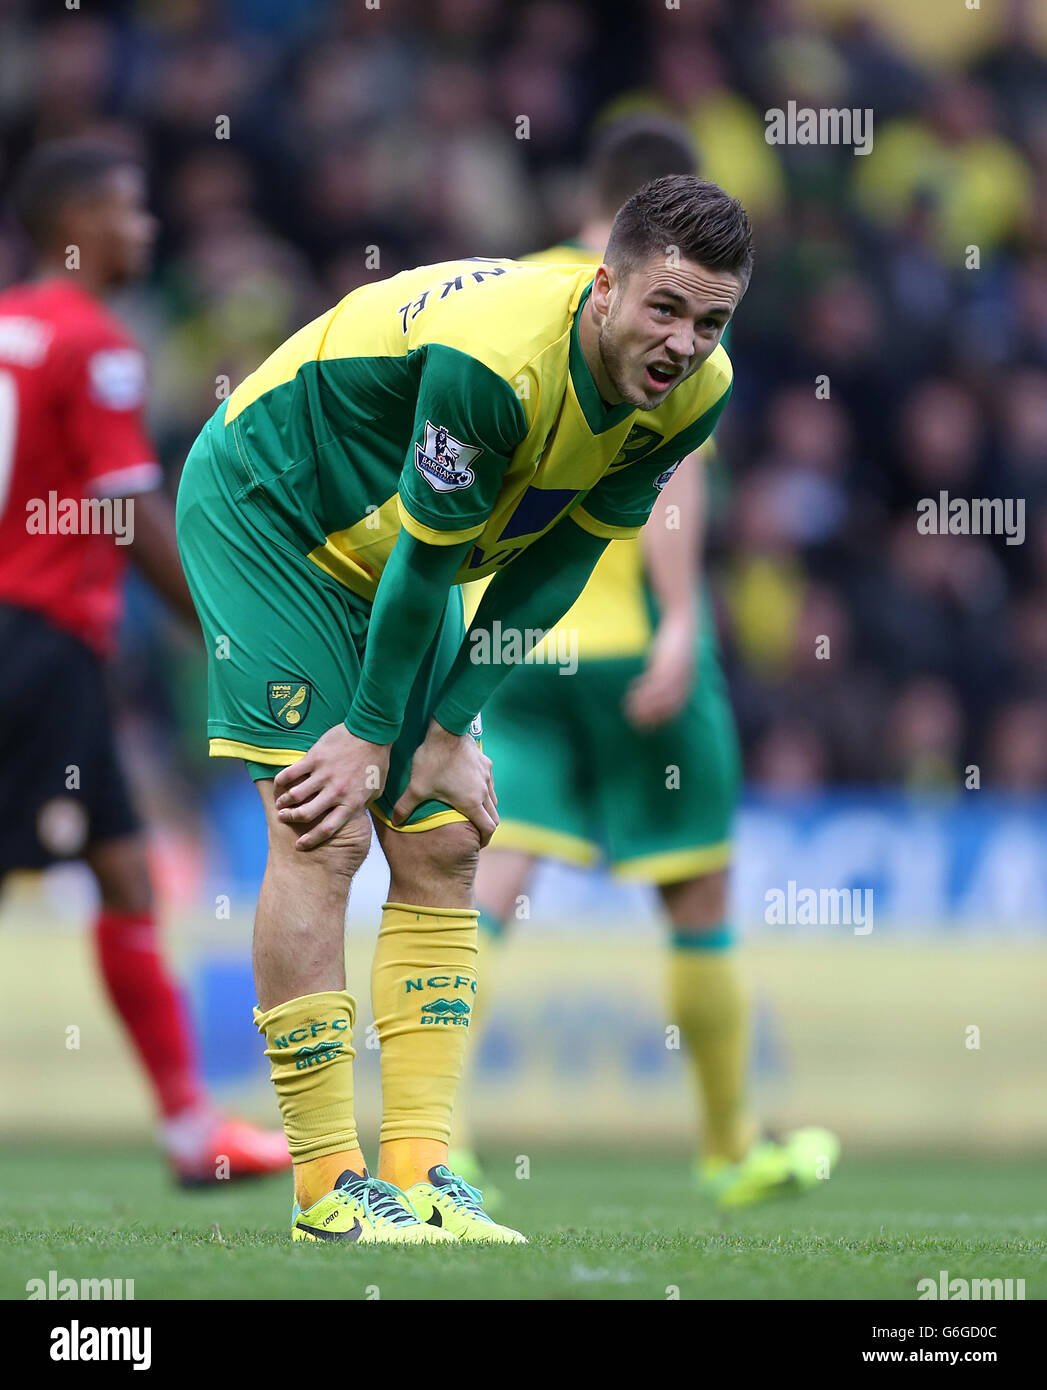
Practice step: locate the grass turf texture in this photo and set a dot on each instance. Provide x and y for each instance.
(600, 1228)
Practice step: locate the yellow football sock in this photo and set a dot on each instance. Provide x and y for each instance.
(423, 987)
(406, 1161)
(488, 945)
(709, 1003)
(309, 1043)
(316, 1177)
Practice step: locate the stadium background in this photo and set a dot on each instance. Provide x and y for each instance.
(396, 129)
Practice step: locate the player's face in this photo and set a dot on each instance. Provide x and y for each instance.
(128, 226)
(659, 324)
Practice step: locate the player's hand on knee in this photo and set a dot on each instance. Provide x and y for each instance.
(452, 768)
(330, 785)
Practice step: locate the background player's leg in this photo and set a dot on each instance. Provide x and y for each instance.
(710, 1005)
(423, 987)
(141, 988)
(146, 995)
(501, 878)
(304, 1011)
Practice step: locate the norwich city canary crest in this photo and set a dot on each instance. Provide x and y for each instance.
(289, 701)
(639, 442)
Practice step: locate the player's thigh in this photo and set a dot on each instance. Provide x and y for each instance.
(283, 639)
(61, 784)
(532, 734)
(668, 795)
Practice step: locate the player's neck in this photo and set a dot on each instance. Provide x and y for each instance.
(589, 342)
(53, 270)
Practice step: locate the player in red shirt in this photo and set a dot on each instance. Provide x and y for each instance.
(80, 494)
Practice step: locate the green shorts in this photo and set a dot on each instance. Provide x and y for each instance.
(576, 781)
(285, 641)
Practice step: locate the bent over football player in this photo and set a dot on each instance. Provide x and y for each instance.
(453, 422)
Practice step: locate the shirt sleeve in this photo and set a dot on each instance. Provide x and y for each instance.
(105, 419)
(408, 606)
(467, 424)
(530, 595)
(618, 506)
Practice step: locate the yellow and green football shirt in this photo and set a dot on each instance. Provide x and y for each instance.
(454, 400)
(612, 615)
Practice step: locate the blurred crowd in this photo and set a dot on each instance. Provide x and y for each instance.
(893, 343)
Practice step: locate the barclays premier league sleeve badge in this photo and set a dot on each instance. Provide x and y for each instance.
(445, 462)
(663, 478)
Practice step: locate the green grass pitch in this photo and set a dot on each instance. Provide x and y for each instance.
(600, 1228)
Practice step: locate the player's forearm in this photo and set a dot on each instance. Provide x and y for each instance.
(530, 595)
(673, 542)
(408, 606)
(154, 551)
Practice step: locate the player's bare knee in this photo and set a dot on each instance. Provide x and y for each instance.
(447, 855)
(347, 848)
(697, 903)
(458, 851)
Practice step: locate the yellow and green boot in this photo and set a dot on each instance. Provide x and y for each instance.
(365, 1210)
(447, 1202)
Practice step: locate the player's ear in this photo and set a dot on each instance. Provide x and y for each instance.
(603, 287)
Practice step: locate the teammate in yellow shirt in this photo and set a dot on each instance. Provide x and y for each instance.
(459, 420)
(648, 696)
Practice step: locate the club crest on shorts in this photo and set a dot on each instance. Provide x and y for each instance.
(443, 461)
(289, 701)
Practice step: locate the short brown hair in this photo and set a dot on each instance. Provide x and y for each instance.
(694, 217)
